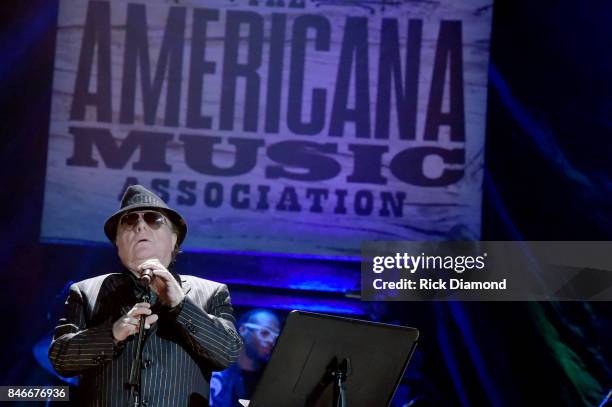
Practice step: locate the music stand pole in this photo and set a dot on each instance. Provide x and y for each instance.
(340, 373)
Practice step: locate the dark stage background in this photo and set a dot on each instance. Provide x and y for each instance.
(548, 177)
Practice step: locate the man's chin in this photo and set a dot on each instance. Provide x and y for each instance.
(144, 252)
(138, 258)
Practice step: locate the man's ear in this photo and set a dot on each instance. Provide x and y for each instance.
(174, 239)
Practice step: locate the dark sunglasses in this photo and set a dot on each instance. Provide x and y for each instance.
(153, 219)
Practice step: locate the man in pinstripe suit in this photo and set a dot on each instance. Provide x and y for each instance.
(190, 327)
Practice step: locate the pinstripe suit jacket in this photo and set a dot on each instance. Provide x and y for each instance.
(181, 350)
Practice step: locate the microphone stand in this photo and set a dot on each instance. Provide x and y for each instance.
(134, 382)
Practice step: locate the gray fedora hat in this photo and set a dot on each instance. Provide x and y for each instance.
(137, 198)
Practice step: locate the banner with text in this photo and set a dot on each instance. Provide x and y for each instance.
(279, 126)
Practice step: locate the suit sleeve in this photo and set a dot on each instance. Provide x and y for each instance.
(212, 335)
(75, 347)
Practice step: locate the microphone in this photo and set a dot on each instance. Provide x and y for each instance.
(146, 276)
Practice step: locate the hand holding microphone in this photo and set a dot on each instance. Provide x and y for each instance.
(162, 282)
(129, 324)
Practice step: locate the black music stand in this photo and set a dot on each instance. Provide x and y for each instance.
(328, 361)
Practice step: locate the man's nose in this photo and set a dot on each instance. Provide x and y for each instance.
(140, 224)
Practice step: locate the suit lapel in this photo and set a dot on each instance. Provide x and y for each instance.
(185, 285)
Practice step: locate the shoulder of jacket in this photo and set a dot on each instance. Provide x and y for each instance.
(96, 280)
(200, 282)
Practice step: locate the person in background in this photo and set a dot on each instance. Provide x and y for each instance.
(259, 329)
